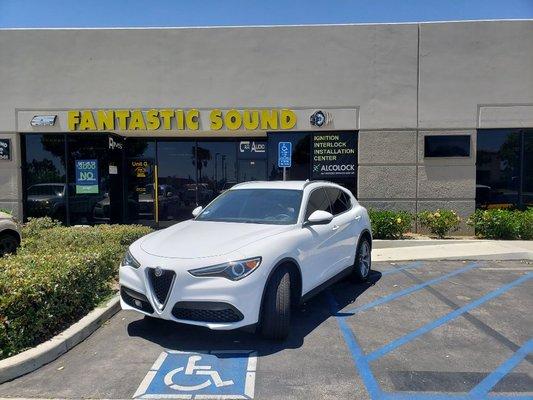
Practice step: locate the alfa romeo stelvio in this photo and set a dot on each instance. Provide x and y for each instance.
(248, 257)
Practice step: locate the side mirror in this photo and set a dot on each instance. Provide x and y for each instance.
(319, 217)
(197, 211)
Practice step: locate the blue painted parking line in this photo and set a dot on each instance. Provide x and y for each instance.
(228, 374)
(362, 361)
(411, 289)
(446, 318)
(413, 265)
(358, 356)
(481, 390)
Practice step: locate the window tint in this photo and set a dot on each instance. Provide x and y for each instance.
(317, 201)
(257, 206)
(340, 201)
(498, 168)
(447, 146)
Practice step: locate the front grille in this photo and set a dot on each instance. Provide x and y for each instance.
(206, 312)
(161, 285)
(135, 299)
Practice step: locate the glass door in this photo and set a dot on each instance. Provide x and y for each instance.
(252, 170)
(88, 179)
(139, 165)
(176, 181)
(216, 169)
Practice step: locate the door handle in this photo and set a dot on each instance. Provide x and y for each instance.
(357, 218)
(335, 227)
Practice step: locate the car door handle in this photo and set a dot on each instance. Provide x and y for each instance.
(335, 227)
(357, 218)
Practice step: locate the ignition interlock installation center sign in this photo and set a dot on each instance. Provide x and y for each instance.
(334, 155)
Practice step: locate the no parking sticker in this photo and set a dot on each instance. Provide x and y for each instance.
(228, 374)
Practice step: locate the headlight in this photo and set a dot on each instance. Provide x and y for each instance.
(233, 270)
(130, 260)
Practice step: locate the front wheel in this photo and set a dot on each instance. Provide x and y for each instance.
(363, 261)
(276, 310)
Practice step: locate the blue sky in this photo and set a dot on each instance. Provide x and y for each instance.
(134, 13)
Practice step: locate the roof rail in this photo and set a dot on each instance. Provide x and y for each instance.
(308, 182)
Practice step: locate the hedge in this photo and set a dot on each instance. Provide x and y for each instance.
(503, 224)
(440, 222)
(388, 224)
(58, 275)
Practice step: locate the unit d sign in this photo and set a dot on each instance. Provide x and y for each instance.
(172, 119)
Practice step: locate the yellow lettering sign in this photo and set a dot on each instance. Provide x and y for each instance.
(73, 119)
(178, 119)
(216, 119)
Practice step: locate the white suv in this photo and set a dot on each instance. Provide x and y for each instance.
(254, 252)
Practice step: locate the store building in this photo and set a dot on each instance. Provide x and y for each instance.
(407, 116)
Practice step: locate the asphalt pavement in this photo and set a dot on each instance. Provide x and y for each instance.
(424, 330)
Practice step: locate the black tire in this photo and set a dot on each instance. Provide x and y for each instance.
(276, 310)
(361, 272)
(8, 244)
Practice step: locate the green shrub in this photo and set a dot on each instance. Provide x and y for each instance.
(58, 275)
(525, 224)
(503, 224)
(440, 222)
(389, 224)
(35, 226)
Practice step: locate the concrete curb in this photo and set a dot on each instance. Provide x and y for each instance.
(34, 358)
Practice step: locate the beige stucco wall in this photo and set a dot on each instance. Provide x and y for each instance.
(404, 81)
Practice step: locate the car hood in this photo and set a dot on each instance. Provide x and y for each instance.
(199, 239)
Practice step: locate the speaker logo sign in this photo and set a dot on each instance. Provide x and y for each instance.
(86, 176)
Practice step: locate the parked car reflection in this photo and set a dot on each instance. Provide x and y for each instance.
(49, 199)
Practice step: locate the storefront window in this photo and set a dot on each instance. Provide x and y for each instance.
(330, 156)
(301, 145)
(44, 177)
(503, 171)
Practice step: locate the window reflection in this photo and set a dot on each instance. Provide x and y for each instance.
(217, 169)
(301, 159)
(177, 179)
(84, 206)
(44, 167)
(498, 168)
(527, 185)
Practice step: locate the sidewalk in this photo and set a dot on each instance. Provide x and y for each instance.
(404, 250)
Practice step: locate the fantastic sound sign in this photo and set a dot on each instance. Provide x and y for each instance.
(178, 119)
(334, 155)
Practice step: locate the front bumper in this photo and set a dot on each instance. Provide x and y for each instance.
(202, 301)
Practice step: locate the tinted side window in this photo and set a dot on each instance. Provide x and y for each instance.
(317, 201)
(339, 203)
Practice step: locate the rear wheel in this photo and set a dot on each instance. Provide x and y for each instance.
(8, 244)
(276, 315)
(363, 261)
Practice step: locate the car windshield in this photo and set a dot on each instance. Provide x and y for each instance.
(46, 190)
(256, 206)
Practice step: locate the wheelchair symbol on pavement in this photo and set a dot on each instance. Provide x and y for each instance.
(228, 374)
(192, 369)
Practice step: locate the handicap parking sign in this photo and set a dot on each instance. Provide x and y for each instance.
(284, 154)
(226, 374)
